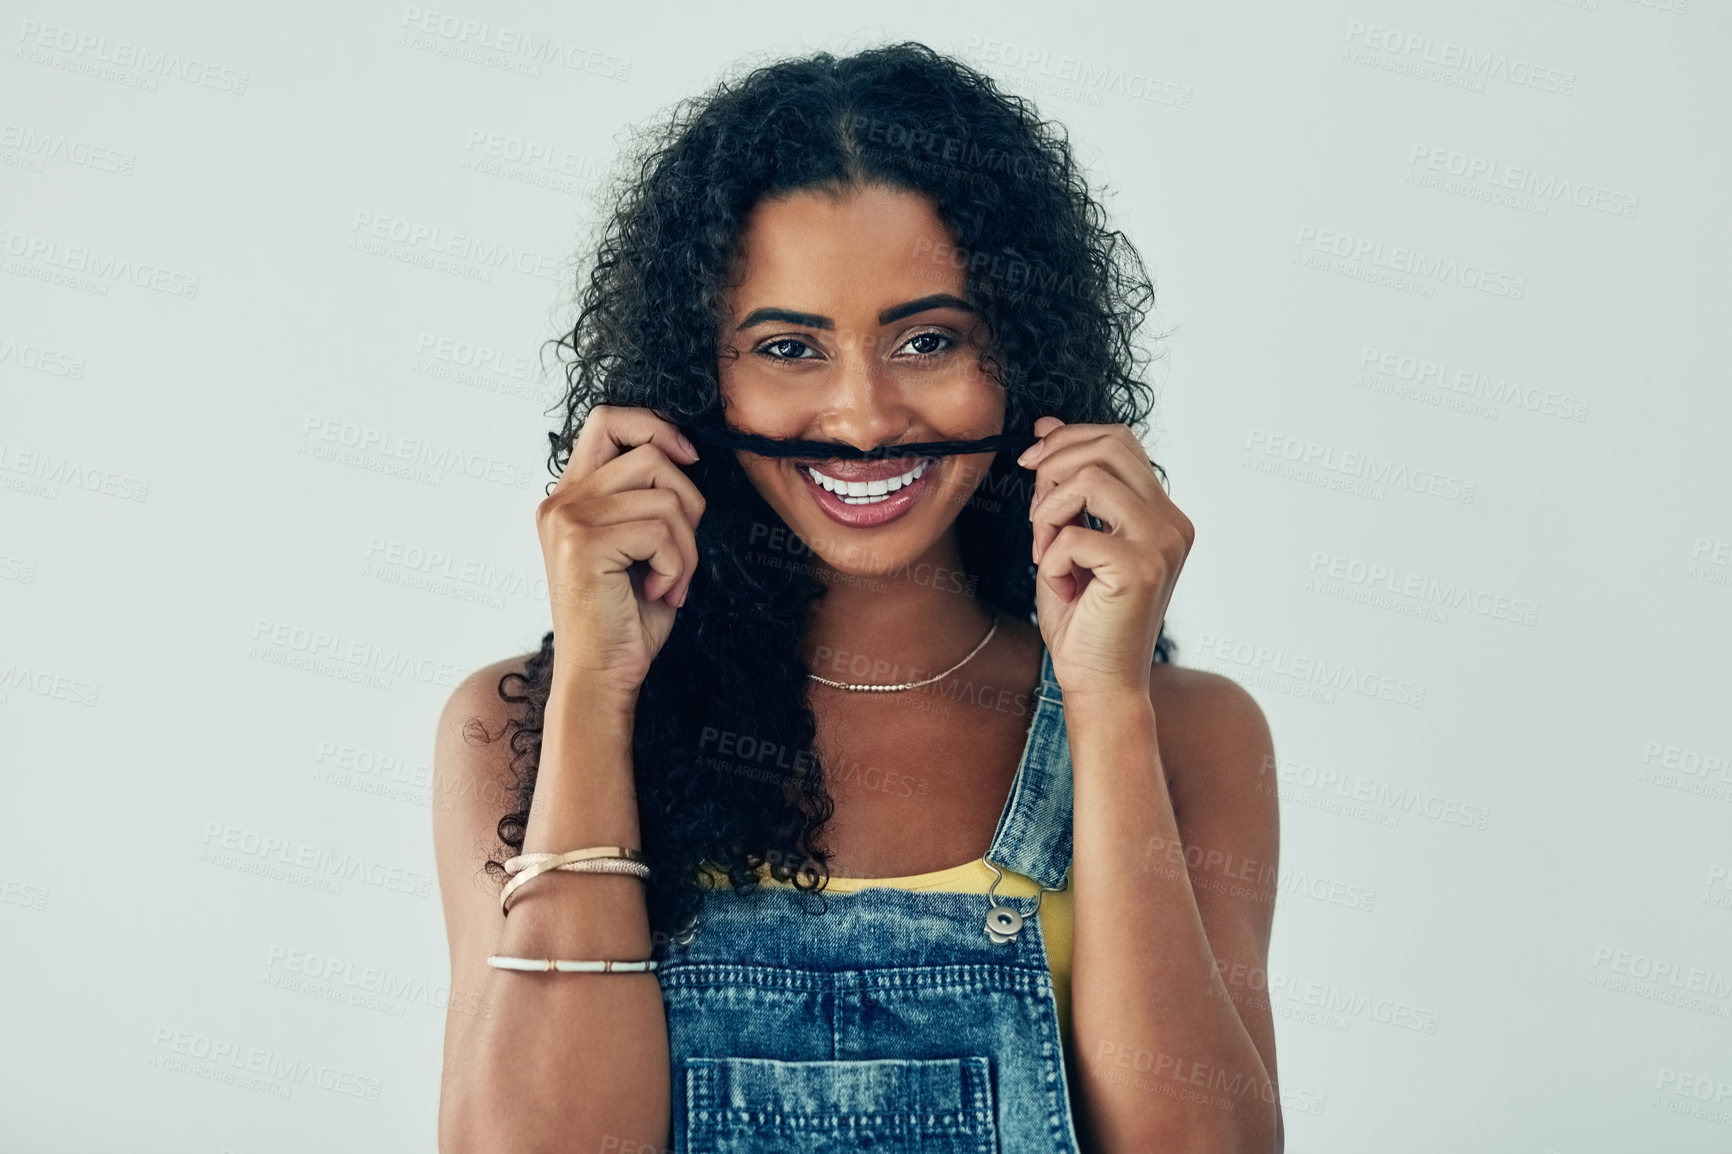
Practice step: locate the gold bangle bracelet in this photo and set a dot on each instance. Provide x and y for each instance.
(605, 865)
(556, 861)
(524, 860)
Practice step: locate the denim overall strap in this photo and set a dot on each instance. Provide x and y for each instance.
(1035, 829)
(894, 1021)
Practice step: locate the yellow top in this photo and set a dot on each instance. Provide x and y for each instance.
(973, 878)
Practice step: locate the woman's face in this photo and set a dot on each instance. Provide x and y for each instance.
(849, 322)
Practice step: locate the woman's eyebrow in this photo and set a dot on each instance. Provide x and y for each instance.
(893, 313)
(786, 316)
(935, 301)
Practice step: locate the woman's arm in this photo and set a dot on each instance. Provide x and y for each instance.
(1174, 876)
(1167, 1059)
(561, 1061)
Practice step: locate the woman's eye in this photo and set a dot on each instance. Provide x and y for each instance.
(786, 349)
(919, 346)
(930, 344)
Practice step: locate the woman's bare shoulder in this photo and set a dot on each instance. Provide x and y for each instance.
(478, 695)
(1206, 722)
(474, 782)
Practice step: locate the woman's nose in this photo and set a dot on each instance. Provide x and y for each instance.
(867, 406)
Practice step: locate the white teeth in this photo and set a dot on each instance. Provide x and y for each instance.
(867, 492)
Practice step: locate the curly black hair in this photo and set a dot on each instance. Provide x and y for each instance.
(1062, 296)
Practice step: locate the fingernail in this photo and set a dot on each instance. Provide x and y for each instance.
(689, 447)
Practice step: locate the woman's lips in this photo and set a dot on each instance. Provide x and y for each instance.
(875, 513)
(861, 470)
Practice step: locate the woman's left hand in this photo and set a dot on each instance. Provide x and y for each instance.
(1101, 594)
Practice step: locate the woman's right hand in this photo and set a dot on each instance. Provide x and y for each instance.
(618, 537)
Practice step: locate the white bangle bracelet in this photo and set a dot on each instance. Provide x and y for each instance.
(538, 965)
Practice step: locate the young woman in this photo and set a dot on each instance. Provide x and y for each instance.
(805, 680)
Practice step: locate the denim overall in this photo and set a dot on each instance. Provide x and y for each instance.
(894, 1021)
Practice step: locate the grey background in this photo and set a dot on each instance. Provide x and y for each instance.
(1505, 861)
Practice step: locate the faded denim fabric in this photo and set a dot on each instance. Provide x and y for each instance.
(890, 1022)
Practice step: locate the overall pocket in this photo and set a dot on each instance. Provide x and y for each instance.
(892, 1105)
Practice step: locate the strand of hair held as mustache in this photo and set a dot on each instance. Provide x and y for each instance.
(728, 438)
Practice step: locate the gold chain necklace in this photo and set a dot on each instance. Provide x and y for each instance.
(911, 684)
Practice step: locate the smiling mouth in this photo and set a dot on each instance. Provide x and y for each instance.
(871, 501)
(866, 482)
